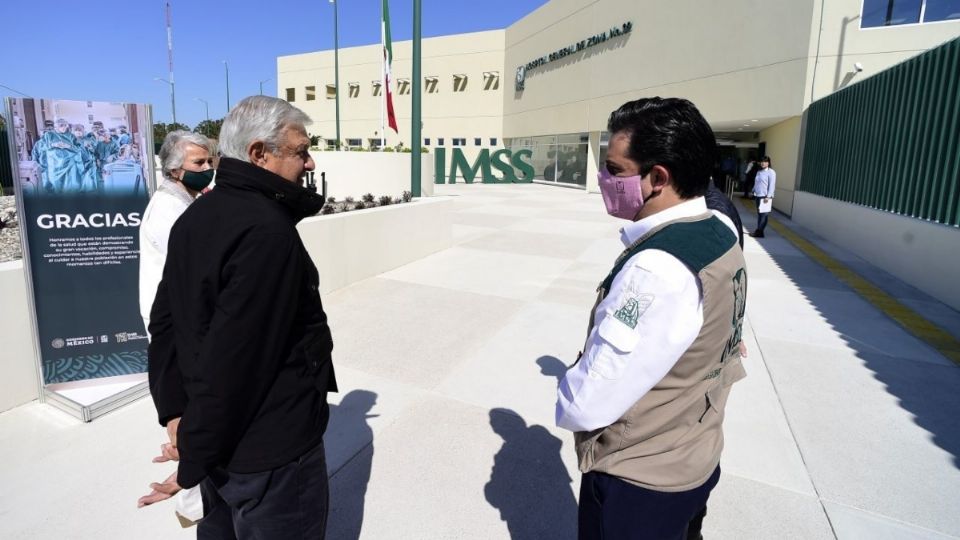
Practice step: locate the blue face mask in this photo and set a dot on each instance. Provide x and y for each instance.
(197, 181)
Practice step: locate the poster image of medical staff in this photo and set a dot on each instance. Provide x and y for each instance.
(83, 191)
(70, 147)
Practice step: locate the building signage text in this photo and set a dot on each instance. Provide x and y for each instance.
(575, 48)
(510, 164)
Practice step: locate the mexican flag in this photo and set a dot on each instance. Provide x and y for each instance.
(387, 60)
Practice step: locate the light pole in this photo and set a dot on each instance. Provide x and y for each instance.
(173, 99)
(415, 122)
(206, 106)
(226, 72)
(336, 66)
(261, 85)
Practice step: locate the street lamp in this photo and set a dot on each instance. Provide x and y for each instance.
(336, 66)
(226, 71)
(261, 85)
(173, 99)
(206, 106)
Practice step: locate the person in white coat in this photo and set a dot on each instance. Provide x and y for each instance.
(186, 163)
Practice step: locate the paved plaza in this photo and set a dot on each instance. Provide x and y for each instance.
(846, 426)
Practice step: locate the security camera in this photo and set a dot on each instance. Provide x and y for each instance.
(858, 67)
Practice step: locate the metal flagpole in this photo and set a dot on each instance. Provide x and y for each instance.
(383, 77)
(415, 141)
(173, 99)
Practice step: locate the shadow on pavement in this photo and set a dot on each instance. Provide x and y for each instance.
(926, 389)
(529, 484)
(348, 423)
(551, 366)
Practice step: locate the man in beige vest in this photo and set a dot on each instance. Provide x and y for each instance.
(646, 397)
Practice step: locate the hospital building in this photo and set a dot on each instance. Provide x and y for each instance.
(549, 81)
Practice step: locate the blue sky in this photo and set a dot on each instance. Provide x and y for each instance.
(111, 50)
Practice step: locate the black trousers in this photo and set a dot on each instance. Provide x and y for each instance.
(287, 502)
(612, 509)
(761, 218)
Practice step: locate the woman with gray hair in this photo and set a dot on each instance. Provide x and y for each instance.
(187, 168)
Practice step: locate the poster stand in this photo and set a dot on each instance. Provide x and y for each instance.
(84, 398)
(90, 402)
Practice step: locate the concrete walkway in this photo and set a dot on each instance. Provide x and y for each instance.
(845, 427)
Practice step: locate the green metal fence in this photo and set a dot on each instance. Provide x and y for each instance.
(891, 142)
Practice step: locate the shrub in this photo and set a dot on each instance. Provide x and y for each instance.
(386, 200)
(349, 200)
(359, 206)
(389, 149)
(367, 198)
(327, 209)
(407, 196)
(331, 200)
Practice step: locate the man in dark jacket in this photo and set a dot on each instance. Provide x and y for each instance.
(240, 361)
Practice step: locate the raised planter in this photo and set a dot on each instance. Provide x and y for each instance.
(19, 381)
(359, 244)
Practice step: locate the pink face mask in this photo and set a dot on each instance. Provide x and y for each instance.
(621, 195)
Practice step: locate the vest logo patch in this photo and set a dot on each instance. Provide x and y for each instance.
(633, 308)
(739, 311)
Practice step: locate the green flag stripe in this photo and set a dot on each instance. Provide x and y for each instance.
(386, 32)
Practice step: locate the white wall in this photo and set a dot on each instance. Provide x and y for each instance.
(356, 245)
(353, 174)
(924, 254)
(475, 112)
(19, 381)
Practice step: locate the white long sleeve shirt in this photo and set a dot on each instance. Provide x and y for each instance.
(168, 202)
(622, 362)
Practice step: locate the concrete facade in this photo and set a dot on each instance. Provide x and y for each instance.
(751, 67)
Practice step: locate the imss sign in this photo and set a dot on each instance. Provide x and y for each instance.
(511, 165)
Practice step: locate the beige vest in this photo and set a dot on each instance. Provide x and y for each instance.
(670, 440)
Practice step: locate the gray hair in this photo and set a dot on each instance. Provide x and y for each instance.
(258, 118)
(174, 149)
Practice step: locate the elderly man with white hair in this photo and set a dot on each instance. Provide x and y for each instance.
(240, 356)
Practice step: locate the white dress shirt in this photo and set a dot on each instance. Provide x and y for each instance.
(620, 363)
(168, 202)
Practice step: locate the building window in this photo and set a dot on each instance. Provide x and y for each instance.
(331, 91)
(354, 143)
(440, 141)
(354, 89)
(878, 13)
(430, 84)
(491, 80)
(476, 141)
(310, 93)
(377, 86)
(291, 94)
(403, 86)
(426, 141)
(456, 142)
(493, 141)
(941, 10)
(459, 141)
(331, 144)
(460, 82)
